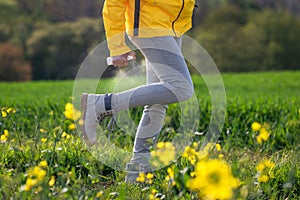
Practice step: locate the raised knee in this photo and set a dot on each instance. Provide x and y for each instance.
(183, 90)
(186, 93)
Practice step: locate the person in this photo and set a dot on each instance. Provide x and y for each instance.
(155, 27)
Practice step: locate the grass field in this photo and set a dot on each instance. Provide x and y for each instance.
(42, 156)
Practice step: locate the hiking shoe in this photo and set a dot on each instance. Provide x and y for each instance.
(93, 113)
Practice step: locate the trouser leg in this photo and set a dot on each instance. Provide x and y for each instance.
(167, 61)
(147, 133)
(153, 115)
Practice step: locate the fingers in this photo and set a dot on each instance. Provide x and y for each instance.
(132, 53)
(121, 61)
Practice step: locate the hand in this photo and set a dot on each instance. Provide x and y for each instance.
(121, 60)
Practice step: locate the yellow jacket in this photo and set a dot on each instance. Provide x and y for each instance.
(144, 18)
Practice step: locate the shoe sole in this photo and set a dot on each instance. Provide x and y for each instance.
(83, 104)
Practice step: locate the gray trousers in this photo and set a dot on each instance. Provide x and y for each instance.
(168, 81)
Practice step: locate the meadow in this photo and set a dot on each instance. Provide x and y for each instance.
(255, 157)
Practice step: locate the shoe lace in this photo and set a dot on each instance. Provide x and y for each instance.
(103, 115)
(112, 122)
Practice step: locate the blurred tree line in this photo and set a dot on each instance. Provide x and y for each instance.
(48, 39)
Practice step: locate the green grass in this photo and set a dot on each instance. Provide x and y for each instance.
(283, 85)
(268, 97)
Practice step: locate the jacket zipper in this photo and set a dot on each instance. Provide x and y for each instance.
(136, 18)
(173, 23)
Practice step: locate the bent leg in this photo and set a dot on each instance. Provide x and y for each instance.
(153, 115)
(175, 84)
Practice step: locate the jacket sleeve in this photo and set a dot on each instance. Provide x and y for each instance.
(114, 23)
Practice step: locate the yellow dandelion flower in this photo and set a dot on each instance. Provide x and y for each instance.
(39, 173)
(263, 178)
(3, 113)
(71, 113)
(153, 153)
(264, 134)
(99, 194)
(213, 179)
(159, 153)
(42, 130)
(164, 155)
(6, 133)
(150, 181)
(190, 153)
(43, 140)
(52, 181)
(184, 155)
(141, 178)
(43, 164)
(10, 110)
(151, 196)
(193, 174)
(80, 122)
(25, 188)
(193, 152)
(193, 160)
(264, 169)
(256, 126)
(68, 114)
(31, 182)
(195, 144)
(170, 172)
(149, 176)
(167, 156)
(260, 167)
(66, 135)
(220, 156)
(153, 191)
(269, 164)
(76, 115)
(69, 106)
(3, 138)
(259, 139)
(160, 145)
(72, 127)
(186, 151)
(218, 147)
(264, 164)
(168, 178)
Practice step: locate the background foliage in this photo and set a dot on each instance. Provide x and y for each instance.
(55, 35)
